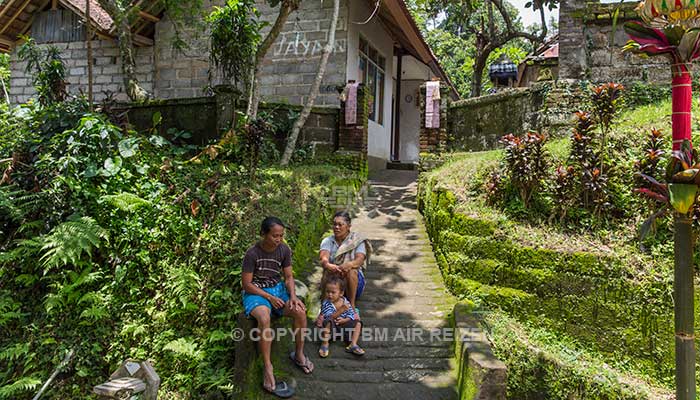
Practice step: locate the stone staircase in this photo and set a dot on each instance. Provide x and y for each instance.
(403, 301)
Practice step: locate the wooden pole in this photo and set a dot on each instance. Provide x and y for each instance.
(88, 35)
(396, 154)
(58, 369)
(683, 288)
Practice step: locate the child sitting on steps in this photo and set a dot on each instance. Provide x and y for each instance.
(337, 316)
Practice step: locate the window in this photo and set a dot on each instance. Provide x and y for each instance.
(371, 72)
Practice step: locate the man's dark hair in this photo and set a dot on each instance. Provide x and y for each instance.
(344, 215)
(268, 223)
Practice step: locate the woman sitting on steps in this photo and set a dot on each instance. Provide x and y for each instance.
(343, 254)
(264, 294)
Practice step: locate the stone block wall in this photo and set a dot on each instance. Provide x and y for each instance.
(205, 119)
(585, 50)
(478, 123)
(320, 130)
(107, 75)
(182, 73)
(292, 62)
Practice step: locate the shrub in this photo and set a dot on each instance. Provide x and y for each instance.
(526, 163)
(47, 69)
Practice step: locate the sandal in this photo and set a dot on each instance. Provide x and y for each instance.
(307, 367)
(281, 390)
(355, 349)
(323, 351)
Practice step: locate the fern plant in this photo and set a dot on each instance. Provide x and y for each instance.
(67, 242)
(18, 387)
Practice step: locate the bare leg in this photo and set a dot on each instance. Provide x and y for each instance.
(356, 334)
(300, 323)
(352, 281)
(262, 315)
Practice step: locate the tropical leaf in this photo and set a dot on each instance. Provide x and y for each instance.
(643, 34)
(650, 223)
(20, 386)
(185, 348)
(126, 201)
(128, 147)
(661, 188)
(682, 196)
(689, 44)
(67, 242)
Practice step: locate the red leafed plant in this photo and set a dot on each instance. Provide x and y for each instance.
(526, 163)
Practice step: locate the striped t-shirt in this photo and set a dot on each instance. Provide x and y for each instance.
(328, 309)
(266, 267)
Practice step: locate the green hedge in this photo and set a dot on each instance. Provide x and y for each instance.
(595, 299)
(540, 368)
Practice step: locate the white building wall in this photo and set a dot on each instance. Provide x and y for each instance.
(379, 136)
(413, 75)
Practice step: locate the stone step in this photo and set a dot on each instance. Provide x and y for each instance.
(403, 272)
(383, 391)
(383, 298)
(337, 352)
(400, 321)
(399, 307)
(333, 363)
(408, 289)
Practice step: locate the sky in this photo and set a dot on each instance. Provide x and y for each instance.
(529, 16)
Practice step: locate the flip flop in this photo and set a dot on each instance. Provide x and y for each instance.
(282, 390)
(323, 351)
(355, 349)
(307, 367)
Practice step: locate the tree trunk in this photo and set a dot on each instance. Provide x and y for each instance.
(683, 283)
(4, 91)
(286, 8)
(126, 49)
(88, 41)
(292, 141)
(683, 288)
(479, 66)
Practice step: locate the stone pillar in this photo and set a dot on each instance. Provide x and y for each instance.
(434, 140)
(352, 139)
(573, 58)
(227, 101)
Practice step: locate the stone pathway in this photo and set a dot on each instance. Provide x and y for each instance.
(404, 300)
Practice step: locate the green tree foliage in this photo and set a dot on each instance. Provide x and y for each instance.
(4, 76)
(235, 36)
(47, 69)
(458, 32)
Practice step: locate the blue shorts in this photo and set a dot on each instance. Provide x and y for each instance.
(360, 284)
(251, 301)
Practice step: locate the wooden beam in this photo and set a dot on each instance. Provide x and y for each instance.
(7, 5)
(54, 4)
(31, 20)
(14, 17)
(143, 40)
(6, 41)
(148, 16)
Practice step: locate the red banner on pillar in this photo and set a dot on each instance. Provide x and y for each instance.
(682, 94)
